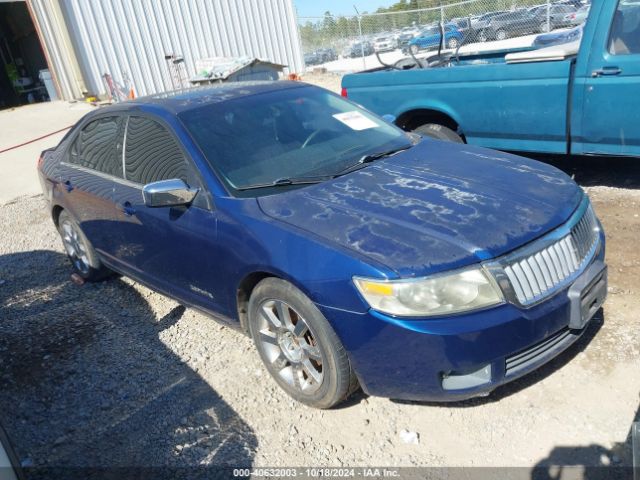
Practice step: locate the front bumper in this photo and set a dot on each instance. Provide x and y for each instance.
(412, 359)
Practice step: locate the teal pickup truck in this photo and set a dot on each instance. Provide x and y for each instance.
(576, 98)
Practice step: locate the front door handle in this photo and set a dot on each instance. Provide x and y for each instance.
(68, 186)
(126, 208)
(606, 71)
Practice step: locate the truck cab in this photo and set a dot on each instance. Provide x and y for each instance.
(579, 98)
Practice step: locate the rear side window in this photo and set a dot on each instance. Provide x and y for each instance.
(625, 30)
(152, 154)
(96, 146)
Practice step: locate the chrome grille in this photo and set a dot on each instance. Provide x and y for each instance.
(541, 271)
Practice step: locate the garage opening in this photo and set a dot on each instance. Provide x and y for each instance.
(24, 75)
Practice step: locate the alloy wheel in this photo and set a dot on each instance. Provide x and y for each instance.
(289, 346)
(75, 247)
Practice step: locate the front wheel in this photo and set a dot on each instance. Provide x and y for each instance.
(501, 35)
(298, 346)
(544, 27)
(438, 132)
(83, 257)
(414, 49)
(453, 43)
(482, 36)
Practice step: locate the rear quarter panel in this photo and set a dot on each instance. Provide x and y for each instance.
(519, 107)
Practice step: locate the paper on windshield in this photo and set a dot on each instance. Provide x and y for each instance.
(355, 120)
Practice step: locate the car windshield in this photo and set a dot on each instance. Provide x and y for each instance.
(294, 133)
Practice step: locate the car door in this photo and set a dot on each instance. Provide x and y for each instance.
(607, 85)
(87, 175)
(173, 249)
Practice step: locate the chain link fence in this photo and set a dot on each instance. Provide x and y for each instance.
(350, 43)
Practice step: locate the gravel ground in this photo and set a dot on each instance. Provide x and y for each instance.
(113, 374)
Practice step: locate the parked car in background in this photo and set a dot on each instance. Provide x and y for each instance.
(350, 251)
(312, 58)
(357, 49)
(466, 27)
(481, 23)
(578, 17)
(557, 16)
(327, 54)
(558, 38)
(510, 24)
(429, 38)
(404, 38)
(384, 44)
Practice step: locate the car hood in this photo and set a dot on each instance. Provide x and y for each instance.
(434, 207)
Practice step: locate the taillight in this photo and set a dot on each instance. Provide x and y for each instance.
(343, 92)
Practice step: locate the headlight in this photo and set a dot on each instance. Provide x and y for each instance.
(455, 292)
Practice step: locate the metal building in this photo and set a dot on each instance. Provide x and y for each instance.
(151, 44)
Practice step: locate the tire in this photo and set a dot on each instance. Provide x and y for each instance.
(482, 36)
(438, 132)
(501, 34)
(414, 49)
(298, 346)
(544, 28)
(453, 43)
(81, 254)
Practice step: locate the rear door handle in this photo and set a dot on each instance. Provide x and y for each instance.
(126, 208)
(606, 71)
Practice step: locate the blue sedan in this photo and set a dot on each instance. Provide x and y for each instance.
(430, 38)
(353, 253)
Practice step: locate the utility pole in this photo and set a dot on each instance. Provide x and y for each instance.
(364, 63)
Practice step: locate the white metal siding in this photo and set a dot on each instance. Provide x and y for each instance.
(57, 47)
(130, 38)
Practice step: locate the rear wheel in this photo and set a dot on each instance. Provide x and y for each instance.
(544, 27)
(501, 35)
(298, 346)
(83, 257)
(453, 43)
(438, 132)
(414, 49)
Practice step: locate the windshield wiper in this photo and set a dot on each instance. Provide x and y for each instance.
(370, 157)
(285, 182)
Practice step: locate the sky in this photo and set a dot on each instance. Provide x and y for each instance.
(316, 8)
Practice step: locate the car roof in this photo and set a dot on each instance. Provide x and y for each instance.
(179, 101)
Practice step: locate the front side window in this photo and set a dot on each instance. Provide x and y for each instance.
(625, 29)
(284, 134)
(152, 153)
(96, 146)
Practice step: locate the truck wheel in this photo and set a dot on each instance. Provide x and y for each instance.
(452, 43)
(83, 257)
(501, 35)
(298, 346)
(438, 132)
(414, 49)
(482, 36)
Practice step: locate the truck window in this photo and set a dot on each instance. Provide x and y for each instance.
(625, 29)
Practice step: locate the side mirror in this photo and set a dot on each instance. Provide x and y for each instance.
(168, 193)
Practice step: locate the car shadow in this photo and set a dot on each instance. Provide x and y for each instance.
(531, 378)
(594, 461)
(87, 385)
(590, 171)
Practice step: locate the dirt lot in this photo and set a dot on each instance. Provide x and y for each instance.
(114, 374)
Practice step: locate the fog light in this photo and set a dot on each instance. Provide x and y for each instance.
(454, 381)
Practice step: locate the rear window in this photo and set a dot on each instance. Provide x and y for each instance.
(97, 146)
